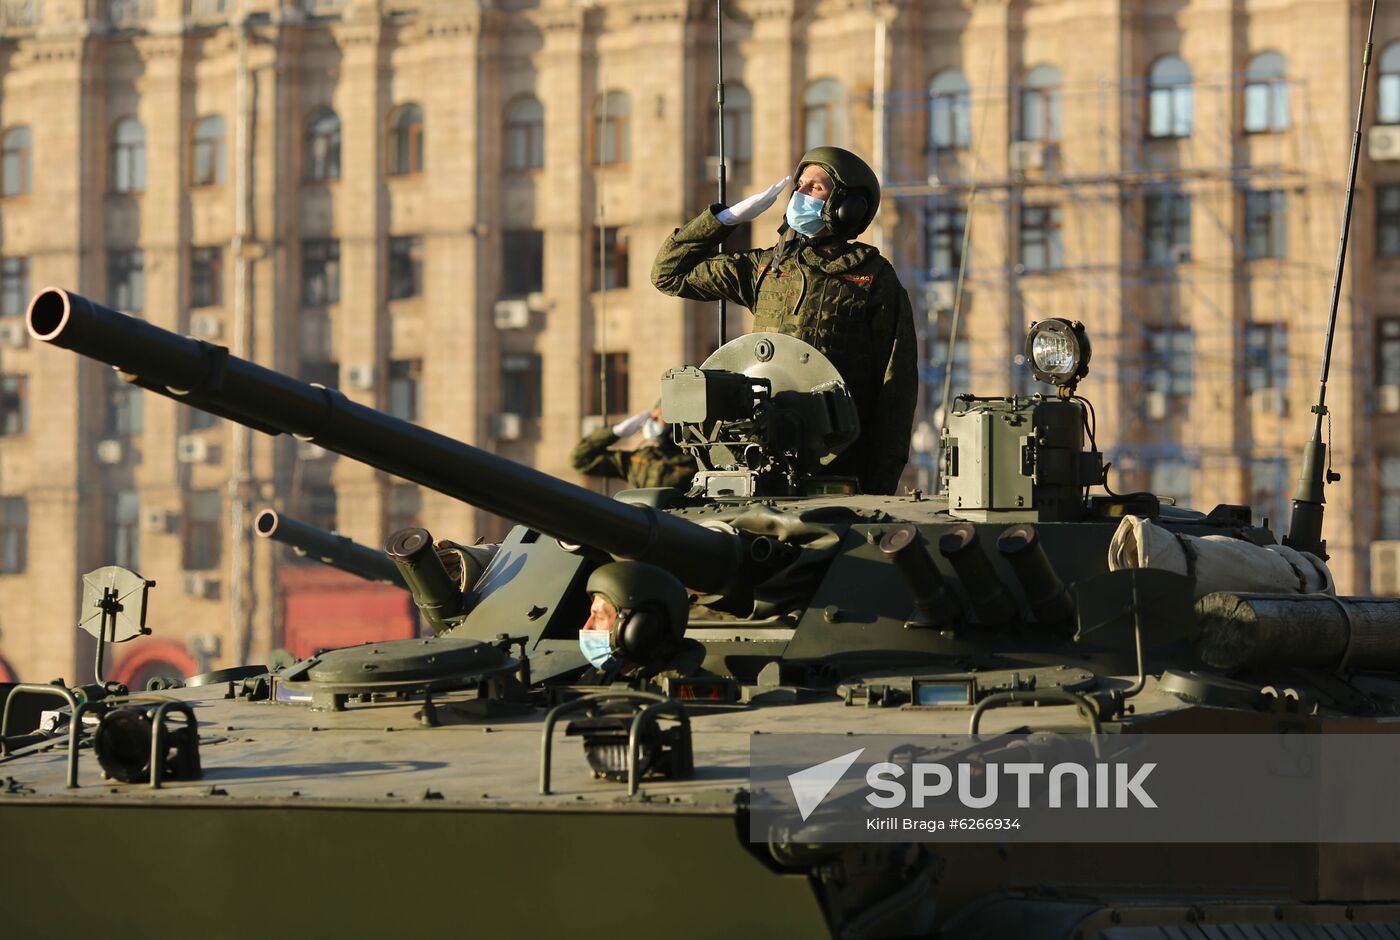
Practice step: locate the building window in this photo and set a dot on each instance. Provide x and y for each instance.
(823, 114)
(403, 508)
(202, 536)
(946, 225)
(1171, 478)
(318, 505)
(738, 124)
(1266, 94)
(1170, 360)
(126, 280)
(406, 388)
(612, 259)
(196, 419)
(521, 384)
(14, 162)
(1388, 351)
(123, 414)
(612, 140)
(405, 266)
(207, 276)
(406, 141)
(1270, 483)
(524, 134)
(1389, 527)
(938, 377)
(607, 384)
(1388, 221)
(14, 286)
(207, 156)
(323, 146)
(320, 271)
(1167, 225)
(128, 156)
(1170, 102)
(1388, 108)
(325, 373)
(14, 404)
(523, 262)
(1040, 104)
(950, 112)
(1265, 223)
(1042, 248)
(1265, 356)
(14, 534)
(123, 534)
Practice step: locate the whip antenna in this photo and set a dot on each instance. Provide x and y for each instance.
(719, 105)
(1305, 525)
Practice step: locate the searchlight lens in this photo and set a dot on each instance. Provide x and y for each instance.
(1058, 351)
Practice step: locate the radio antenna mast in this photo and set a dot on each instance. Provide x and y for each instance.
(1305, 525)
(719, 106)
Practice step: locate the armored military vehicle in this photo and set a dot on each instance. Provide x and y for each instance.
(567, 749)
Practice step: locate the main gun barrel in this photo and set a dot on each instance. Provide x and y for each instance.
(335, 550)
(205, 376)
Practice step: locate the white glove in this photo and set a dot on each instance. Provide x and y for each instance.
(631, 425)
(750, 208)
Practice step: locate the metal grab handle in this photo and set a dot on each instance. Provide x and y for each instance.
(74, 726)
(634, 736)
(558, 711)
(1038, 697)
(158, 747)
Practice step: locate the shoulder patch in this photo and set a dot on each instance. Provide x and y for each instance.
(857, 278)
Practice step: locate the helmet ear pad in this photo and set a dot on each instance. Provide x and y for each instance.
(846, 209)
(646, 633)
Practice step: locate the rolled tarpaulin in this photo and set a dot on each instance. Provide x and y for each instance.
(1217, 562)
(1240, 631)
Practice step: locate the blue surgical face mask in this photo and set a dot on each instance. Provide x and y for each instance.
(653, 429)
(596, 646)
(804, 214)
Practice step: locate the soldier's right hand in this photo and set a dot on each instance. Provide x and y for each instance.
(751, 207)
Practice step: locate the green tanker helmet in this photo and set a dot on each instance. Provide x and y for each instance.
(852, 207)
(652, 609)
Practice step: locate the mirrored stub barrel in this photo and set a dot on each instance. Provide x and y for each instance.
(934, 604)
(1046, 594)
(961, 546)
(434, 591)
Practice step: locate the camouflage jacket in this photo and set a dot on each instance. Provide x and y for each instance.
(662, 464)
(841, 297)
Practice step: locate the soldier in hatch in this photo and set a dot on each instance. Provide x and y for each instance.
(656, 461)
(816, 284)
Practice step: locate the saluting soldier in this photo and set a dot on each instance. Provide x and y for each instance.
(820, 286)
(656, 461)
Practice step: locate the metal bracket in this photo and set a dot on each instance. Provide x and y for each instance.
(75, 723)
(1041, 697)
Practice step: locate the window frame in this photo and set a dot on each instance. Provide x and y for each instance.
(826, 98)
(201, 538)
(14, 285)
(127, 167)
(612, 129)
(16, 162)
(14, 535)
(523, 136)
(324, 252)
(614, 255)
(522, 384)
(1265, 355)
(944, 232)
(1167, 213)
(406, 140)
(1172, 95)
(1266, 88)
(949, 98)
(405, 267)
(14, 404)
(1046, 232)
(207, 163)
(206, 270)
(1268, 225)
(321, 150)
(1040, 93)
(126, 279)
(616, 366)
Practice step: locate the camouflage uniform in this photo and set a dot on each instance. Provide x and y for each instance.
(841, 297)
(657, 464)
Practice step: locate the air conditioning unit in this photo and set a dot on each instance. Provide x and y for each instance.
(206, 326)
(191, 448)
(360, 376)
(537, 301)
(1155, 404)
(1026, 155)
(1383, 142)
(506, 427)
(199, 584)
(111, 451)
(1385, 568)
(1388, 399)
(306, 450)
(513, 314)
(1269, 401)
(158, 520)
(14, 335)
